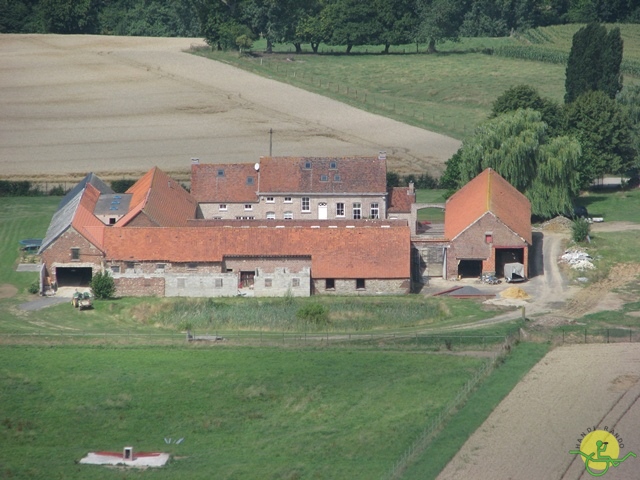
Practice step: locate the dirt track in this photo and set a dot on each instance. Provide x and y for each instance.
(529, 435)
(73, 104)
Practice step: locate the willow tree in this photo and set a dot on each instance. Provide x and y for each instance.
(516, 146)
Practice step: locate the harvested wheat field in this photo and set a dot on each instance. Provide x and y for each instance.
(573, 388)
(112, 105)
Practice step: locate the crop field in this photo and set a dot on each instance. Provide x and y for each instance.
(530, 433)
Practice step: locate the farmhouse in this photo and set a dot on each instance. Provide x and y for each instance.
(154, 240)
(282, 226)
(292, 188)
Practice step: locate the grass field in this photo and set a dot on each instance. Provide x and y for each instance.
(450, 92)
(243, 413)
(613, 206)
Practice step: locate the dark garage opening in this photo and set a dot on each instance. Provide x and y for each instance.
(469, 268)
(73, 276)
(507, 255)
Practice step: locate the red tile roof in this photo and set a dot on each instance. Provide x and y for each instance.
(161, 199)
(208, 186)
(84, 221)
(366, 252)
(400, 200)
(488, 192)
(354, 175)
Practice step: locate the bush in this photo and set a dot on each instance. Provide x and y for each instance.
(580, 230)
(34, 287)
(314, 313)
(57, 191)
(103, 286)
(121, 186)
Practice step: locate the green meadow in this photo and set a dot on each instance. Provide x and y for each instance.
(449, 92)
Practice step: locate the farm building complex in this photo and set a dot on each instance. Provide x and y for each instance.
(284, 226)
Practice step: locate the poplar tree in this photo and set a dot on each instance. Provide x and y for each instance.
(594, 62)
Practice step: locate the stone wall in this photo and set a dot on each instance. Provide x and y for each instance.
(134, 286)
(372, 287)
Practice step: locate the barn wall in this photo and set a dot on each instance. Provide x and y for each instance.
(58, 254)
(395, 286)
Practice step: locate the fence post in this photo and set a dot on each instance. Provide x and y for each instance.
(607, 335)
(585, 335)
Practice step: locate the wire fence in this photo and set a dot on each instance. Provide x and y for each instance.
(395, 341)
(437, 424)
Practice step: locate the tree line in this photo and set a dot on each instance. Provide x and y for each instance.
(550, 152)
(236, 23)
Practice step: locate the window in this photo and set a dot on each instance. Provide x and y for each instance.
(306, 204)
(357, 211)
(295, 282)
(271, 200)
(324, 178)
(288, 200)
(288, 215)
(192, 266)
(129, 265)
(218, 283)
(340, 209)
(307, 165)
(268, 282)
(336, 178)
(488, 238)
(249, 180)
(359, 283)
(245, 217)
(222, 206)
(330, 284)
(271, 215)
(333, 165)
(220, 172)
(374, 211)
(248, 207)
(112, 220)
(75, 253)
(160, 266)
(115, 268)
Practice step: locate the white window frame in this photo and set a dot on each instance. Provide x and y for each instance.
(270, 200)
(305, 202)
(356, 209)
(222, 207)
(271, 215)
(340, 209)
(374, 210)
(248, 207)
(288, 215)
(288, 200)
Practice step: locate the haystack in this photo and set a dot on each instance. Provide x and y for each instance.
(515, 292)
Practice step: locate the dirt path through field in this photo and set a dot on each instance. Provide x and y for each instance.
(530, 433)
(73, 104)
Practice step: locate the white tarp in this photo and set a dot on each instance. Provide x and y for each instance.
(514, 272)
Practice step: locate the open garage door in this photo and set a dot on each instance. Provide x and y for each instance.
(73, 276)
(507, 255)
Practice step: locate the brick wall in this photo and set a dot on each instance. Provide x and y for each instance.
(472, 244)
(59, 254)
(127, 286)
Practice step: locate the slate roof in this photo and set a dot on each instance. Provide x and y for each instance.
(488, 192)
(323, 175)
(68, 207)
(366, 252)
(400, 200)
(224, 183)
(161, 199)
